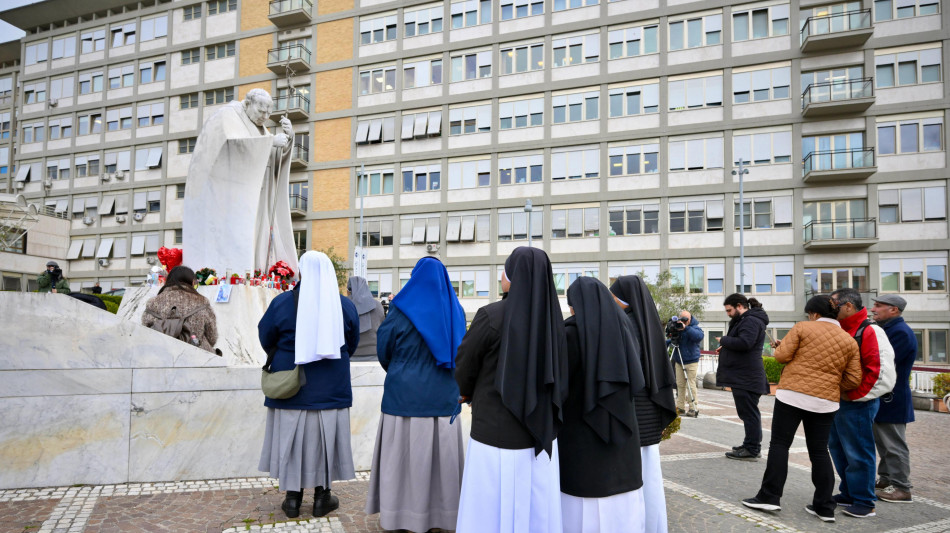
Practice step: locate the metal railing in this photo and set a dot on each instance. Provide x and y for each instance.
(838, 159)
(286, 53)
(282, 6)
(836, 22)
(298, 201)
(836, 91)
(292, 101)
(301, 152)
(847, 228)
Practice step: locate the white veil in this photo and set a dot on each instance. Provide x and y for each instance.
(319, 332)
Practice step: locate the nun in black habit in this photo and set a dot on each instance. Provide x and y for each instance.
(600, 442)
(655, 405)
(512, 366)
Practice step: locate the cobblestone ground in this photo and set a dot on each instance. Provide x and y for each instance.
(703, 491)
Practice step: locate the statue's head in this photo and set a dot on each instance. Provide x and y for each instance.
(258, 105)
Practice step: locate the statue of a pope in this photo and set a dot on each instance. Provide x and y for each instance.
(237, 211)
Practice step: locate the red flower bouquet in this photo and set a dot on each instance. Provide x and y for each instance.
(281, 270)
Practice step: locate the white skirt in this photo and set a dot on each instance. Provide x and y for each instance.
(654, 499)
(509, 491)
(620, 512)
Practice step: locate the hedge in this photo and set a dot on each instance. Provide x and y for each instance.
(941, 385)
(112, 302)
(773, 369)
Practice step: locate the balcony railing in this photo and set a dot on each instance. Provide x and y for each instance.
(856, 163)
(866, 294)
(290, 12)
(841, 229)
(858, 92)
(300, 155)
(296, 56)
(291, 101)
(836, 30)
(298, 202)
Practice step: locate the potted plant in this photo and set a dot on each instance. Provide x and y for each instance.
(773, 372)
(941, 389)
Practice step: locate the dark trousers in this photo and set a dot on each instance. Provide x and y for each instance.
(747, 404)
(785, 421)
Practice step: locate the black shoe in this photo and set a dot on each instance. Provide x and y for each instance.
(824, 518)
(737, 448)
(324, 503)
(755, 503)
(291, 505)
(743, 454)
(840, 499)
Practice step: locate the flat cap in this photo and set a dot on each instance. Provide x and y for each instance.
(892, 299)
(52, 264)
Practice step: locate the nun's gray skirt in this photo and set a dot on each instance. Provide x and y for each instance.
(307, 448)
(417, 473)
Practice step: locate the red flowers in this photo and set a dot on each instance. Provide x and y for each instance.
(281, 270)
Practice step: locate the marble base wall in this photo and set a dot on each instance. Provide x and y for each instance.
(92, 398)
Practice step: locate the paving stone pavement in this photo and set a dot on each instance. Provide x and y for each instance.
(703, 491)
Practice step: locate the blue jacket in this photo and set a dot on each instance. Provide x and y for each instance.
(328, 380)
(415, 386)
(898, 407)
(690, 339)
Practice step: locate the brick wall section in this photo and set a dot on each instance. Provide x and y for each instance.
(331, 140)
(331, 189)
(254, 14)
(334, 90)
(334, 41)
(325, 7)
(244, 89)
(332, 232)
(253, 54)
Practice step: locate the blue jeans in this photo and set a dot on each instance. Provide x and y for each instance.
(851, 444)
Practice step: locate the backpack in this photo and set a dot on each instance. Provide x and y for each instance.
(887, 375)
(173, 325)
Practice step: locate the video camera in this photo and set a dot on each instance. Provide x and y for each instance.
(674, 327)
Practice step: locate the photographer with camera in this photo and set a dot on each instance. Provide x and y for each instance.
(684, 335)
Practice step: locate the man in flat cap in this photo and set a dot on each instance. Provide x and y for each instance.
(897, 409)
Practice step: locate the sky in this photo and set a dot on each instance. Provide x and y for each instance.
(8, 32)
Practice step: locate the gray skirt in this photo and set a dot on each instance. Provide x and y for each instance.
(417, 473)
(304, 449)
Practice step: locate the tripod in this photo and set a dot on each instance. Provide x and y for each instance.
(675, 351)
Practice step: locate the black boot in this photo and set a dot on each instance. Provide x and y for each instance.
(291, 505)
(324, 502)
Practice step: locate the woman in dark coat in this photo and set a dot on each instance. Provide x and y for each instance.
(371, 316)
(599, 442)
(512, 366)
(655, 404)
(417, 464)
(307, 437)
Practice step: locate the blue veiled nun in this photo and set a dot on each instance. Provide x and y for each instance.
(416, 478)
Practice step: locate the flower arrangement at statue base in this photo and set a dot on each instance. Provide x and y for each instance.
(279, 276)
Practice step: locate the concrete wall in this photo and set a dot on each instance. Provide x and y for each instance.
(98, 399)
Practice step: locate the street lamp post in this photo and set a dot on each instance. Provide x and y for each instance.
(741, 172)
(527, 209)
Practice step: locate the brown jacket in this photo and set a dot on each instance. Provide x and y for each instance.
(202, 324)
(821, 359)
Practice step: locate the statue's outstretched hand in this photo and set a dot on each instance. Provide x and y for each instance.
(286, 126)
(281, 140)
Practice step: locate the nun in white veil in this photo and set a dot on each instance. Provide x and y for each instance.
(307, 437)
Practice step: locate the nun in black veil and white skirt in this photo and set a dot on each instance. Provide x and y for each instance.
(599, 441)
(512, 365)
(655, 405)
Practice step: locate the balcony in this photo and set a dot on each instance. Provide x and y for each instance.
(294, 58)
(298, 205)
(296, 106)
(300, 157)
(838, 97)
(838, 165)
(286, 13)
(836, 30)
(840, 233)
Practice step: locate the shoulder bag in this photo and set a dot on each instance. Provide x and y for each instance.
(286, 383)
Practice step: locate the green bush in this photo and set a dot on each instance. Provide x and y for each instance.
(112, 302)
(111, 307)
(773, 369)
(671, 429)
(941, 385)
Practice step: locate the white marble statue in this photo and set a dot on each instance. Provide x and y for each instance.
(237, 211)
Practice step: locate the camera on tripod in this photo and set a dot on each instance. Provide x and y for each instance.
(674, 327)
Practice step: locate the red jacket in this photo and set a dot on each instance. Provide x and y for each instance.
(877, 359)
